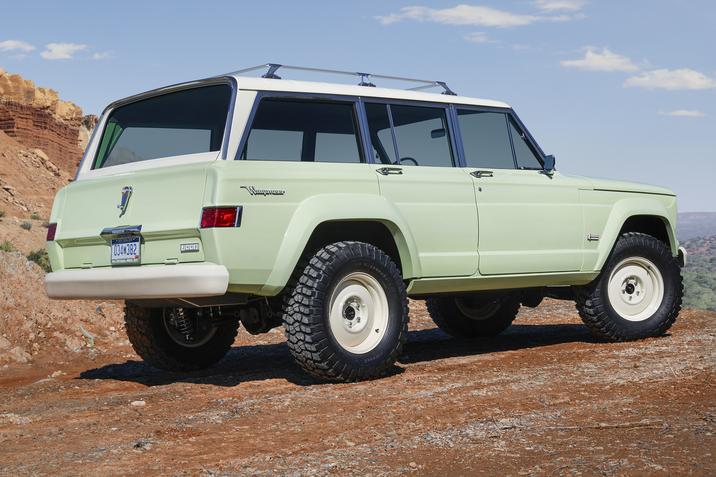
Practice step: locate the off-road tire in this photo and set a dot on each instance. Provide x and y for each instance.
(448, 317)
(151, 341)
(593, 303)
(306, 313)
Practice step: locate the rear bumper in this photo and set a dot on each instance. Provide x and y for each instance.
(148, 281)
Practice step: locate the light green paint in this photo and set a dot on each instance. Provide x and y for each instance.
(454, 233)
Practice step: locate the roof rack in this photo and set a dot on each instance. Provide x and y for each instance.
(365, 78)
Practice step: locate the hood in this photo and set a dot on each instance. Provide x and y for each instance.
(621, 186)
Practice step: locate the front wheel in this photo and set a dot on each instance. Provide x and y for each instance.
(638, 293)
(346, 318)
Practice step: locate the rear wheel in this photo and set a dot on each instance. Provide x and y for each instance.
(346, 318)
(637, 295)
(178, 339)
(472, 316)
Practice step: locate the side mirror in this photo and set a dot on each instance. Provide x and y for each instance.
(549, 163)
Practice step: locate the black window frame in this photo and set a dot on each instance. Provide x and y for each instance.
(322, 98)
(446, 107)
(366, 151)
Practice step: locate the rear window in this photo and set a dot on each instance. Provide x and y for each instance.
(186, 122)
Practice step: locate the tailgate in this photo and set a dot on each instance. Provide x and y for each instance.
(165, 204)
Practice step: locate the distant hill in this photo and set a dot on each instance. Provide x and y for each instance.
(700, 273)
(696, 224)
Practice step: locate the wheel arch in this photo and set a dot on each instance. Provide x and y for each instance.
(646, 216)
(329, 218)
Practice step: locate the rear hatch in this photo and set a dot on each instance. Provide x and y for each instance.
(163, 212)
(140, 189)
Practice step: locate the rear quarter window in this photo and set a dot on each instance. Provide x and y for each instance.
(184, 122)
(299, 130)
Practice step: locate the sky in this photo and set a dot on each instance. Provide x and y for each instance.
(614, 89)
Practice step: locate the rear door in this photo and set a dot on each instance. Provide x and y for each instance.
(530, 222)
(415, 164)
(147, 178)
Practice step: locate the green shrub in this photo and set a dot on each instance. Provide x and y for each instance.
(26, 225)
(7, 246)
(2, 213)
(40, 257)
(35, 216)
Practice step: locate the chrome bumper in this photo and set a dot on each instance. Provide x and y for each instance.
(147, 281)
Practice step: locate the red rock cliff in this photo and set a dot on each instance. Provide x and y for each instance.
(37, 118)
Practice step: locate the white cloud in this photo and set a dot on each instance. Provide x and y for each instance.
(100, 55)
(684, 113)
(460, 15)
(477, 37)
(681, 79)
(560, 5)
(16, 45)
(601, 60)
(61, 51)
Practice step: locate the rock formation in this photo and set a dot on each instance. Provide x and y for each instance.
(38, 119)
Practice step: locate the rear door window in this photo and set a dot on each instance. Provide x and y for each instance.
(303, 130)
(485, 139)
(173, 124)
(421, 135)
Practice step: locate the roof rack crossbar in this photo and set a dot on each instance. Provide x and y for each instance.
(365, 78)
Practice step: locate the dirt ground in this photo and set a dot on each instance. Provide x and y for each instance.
(545, 398)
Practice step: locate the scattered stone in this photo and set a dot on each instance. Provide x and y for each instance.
(138, 403)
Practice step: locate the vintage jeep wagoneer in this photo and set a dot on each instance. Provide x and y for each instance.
(323, 207)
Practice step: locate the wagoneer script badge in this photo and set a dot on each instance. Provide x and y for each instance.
(264, 192)
(124, 202)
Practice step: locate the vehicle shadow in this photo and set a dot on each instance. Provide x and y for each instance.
(273, 361)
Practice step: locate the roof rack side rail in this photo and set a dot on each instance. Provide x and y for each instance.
(365, 78)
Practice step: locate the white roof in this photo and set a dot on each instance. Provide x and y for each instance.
(265, 84)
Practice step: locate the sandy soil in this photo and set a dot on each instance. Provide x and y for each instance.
(542, 399)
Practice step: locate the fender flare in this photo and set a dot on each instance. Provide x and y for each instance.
(625, 209)
(321, 208)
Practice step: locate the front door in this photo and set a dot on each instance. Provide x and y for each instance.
(529, 221)
(415, 167)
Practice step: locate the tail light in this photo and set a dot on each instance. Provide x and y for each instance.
(51, 229)
(220, 217)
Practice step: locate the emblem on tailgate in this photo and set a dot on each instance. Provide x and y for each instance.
(124, 202)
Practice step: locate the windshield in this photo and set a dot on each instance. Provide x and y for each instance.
(185, 122)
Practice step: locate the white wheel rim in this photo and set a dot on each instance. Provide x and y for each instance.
(635, 289)
(358, 313)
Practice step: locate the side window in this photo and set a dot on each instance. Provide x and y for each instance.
(300, 130)
(526, 157)
(485, 139)
(422, 136)
(380, 134)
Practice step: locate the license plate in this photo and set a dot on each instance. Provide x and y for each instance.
(125, 250)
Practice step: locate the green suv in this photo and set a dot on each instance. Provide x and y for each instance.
(323, 207)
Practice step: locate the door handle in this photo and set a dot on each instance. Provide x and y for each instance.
(480, 174)
(390, 170)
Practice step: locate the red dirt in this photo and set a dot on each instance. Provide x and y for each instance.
(545, 398)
